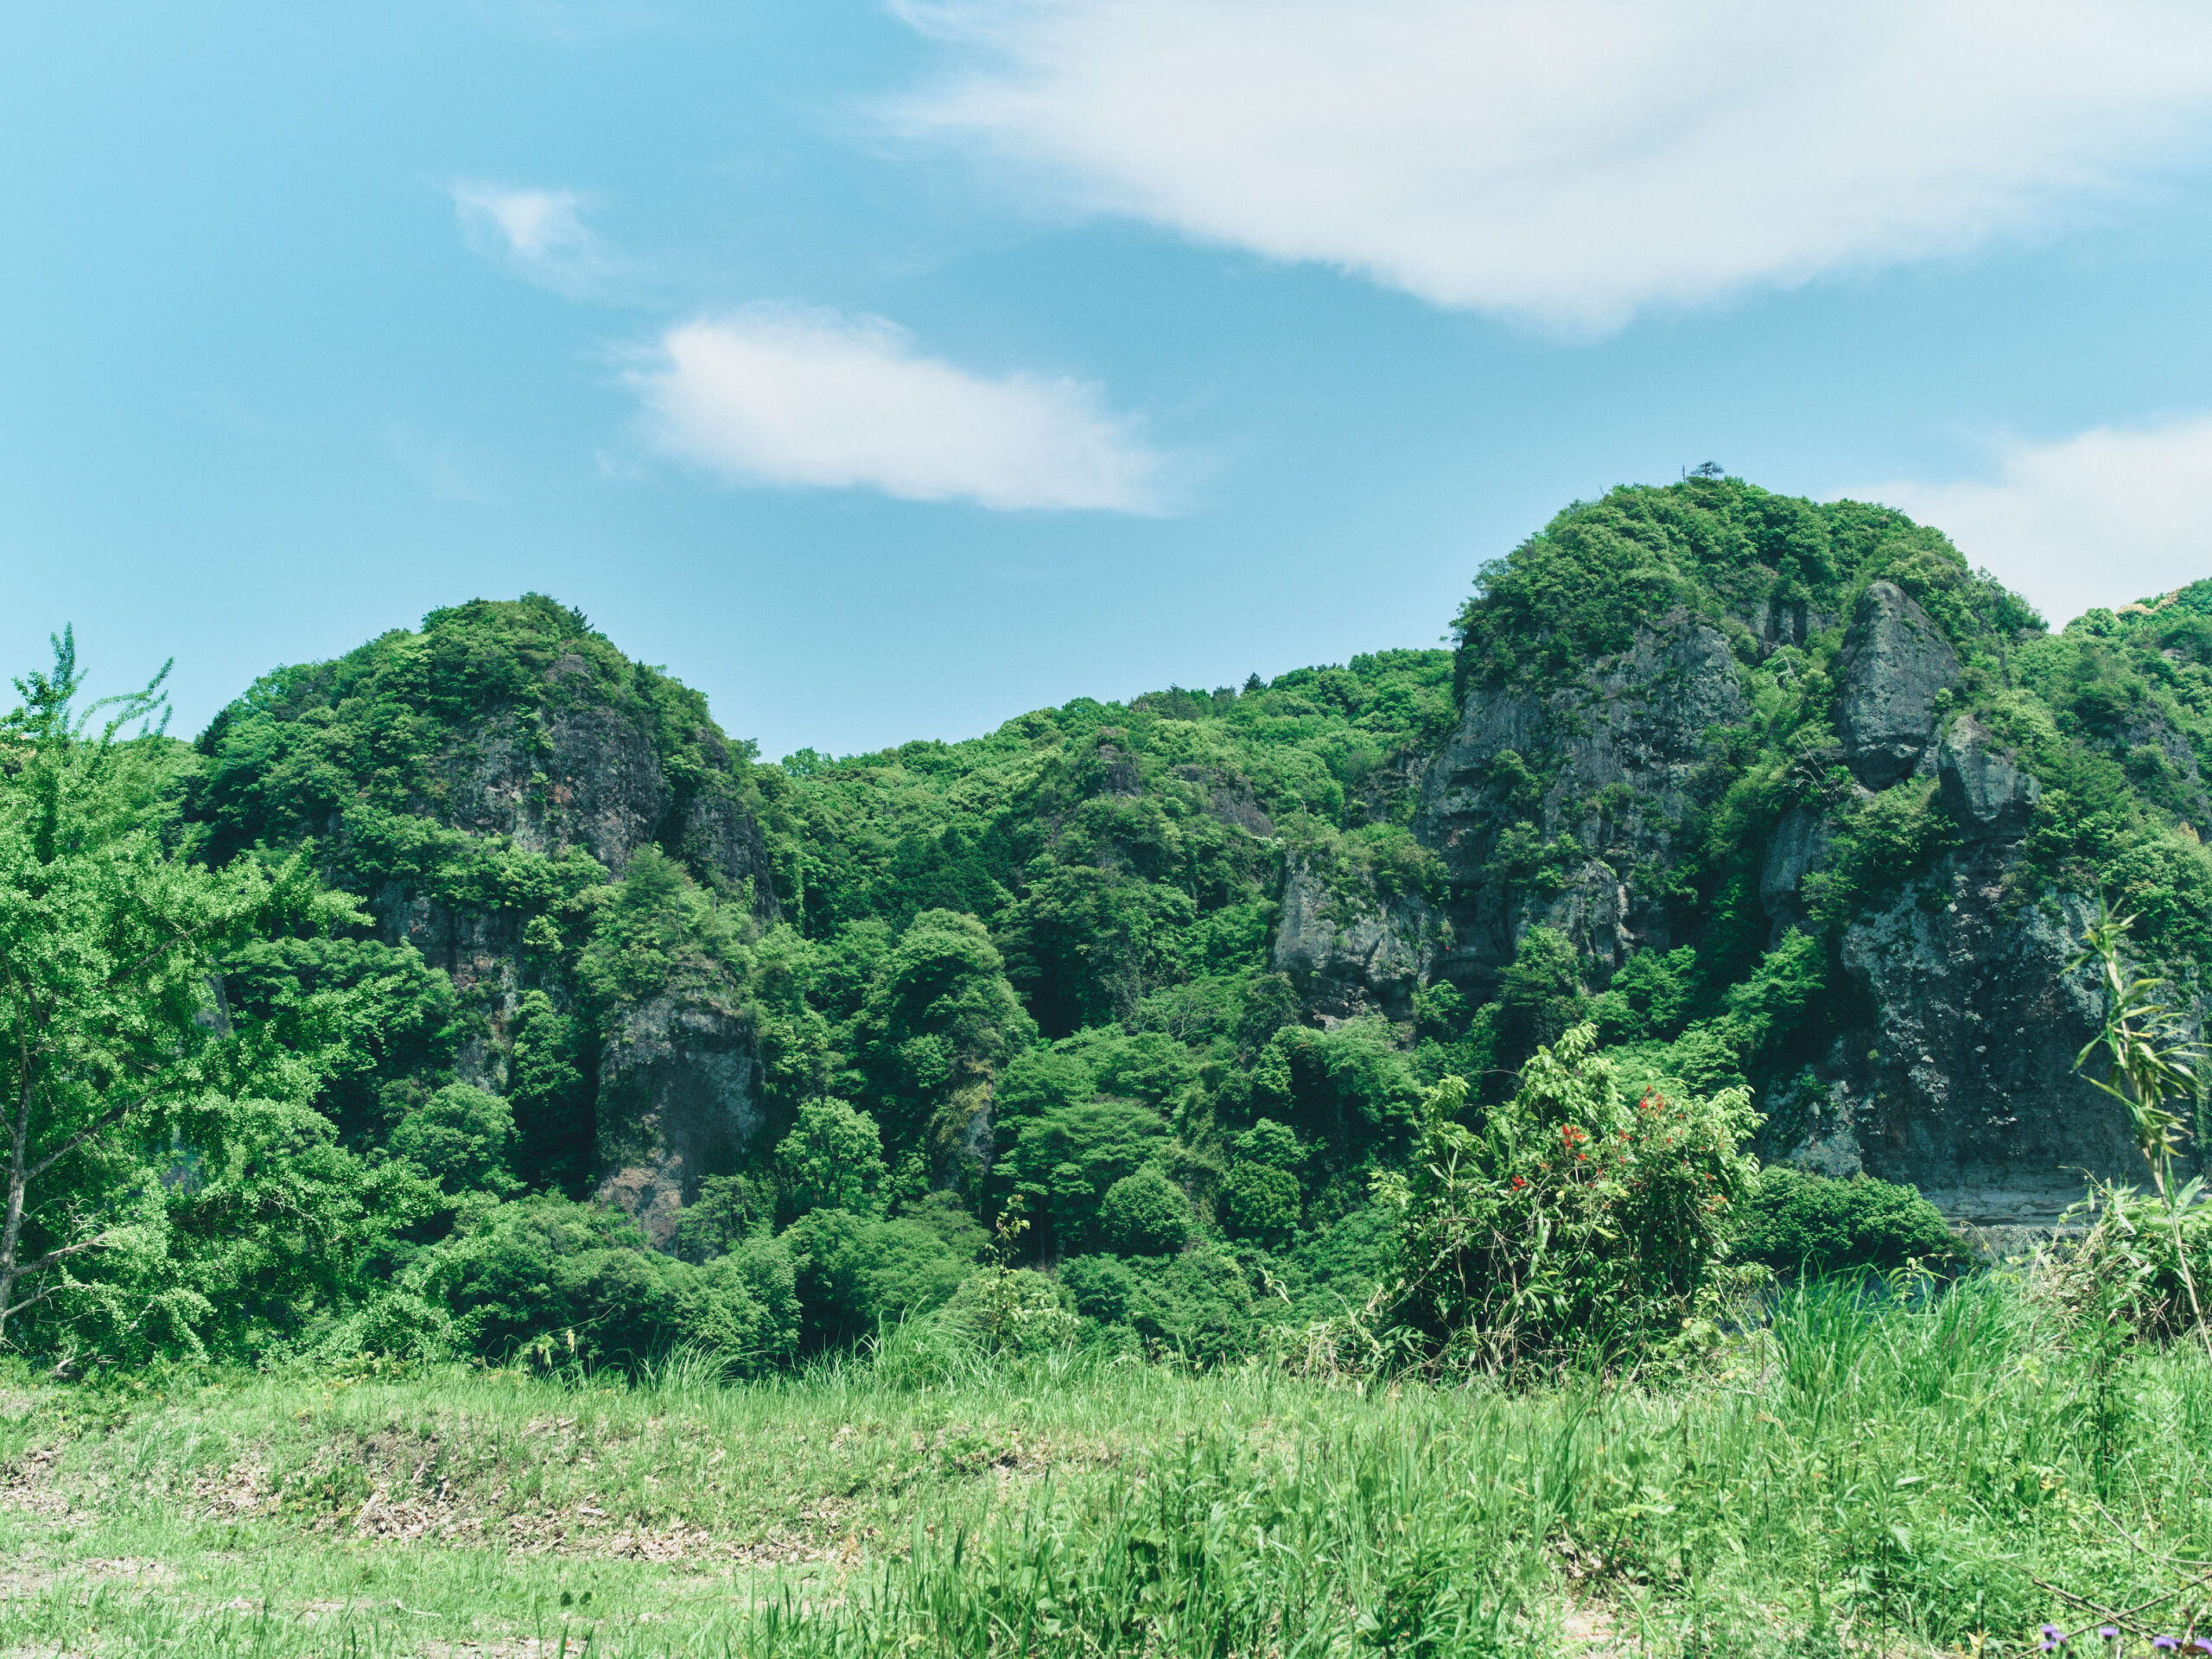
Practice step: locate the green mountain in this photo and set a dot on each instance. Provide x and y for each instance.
(1769, 791)
(1772, 790)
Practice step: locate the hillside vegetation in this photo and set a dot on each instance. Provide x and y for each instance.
(560, 971)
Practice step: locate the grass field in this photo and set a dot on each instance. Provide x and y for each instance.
(1860, 1475)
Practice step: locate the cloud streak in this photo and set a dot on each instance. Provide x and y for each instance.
(772, 396)
(1569, 162)
(541, 234)
(2105, 517)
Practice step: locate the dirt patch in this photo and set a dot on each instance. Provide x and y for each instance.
(28, 1574)
(234, 1493)
(27, 1486)
(1588, 1629)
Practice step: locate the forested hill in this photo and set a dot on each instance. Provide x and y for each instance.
(1770, 791)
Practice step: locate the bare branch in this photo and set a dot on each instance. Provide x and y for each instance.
(106, 1119)
(53, 1256)
(7, 1314)
(159, 950)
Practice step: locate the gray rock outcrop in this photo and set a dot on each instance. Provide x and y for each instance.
(676, 1092)
(1602, 772)
(1350, 954)
(1967, 1086)
(677, 1104)
(1987, 791)
(1895, 663)
(1799, 849)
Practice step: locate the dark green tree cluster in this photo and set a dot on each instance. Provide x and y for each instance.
(356, 1008)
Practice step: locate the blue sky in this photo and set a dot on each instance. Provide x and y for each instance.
(886, 370)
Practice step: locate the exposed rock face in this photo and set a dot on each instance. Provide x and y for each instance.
(1988, 792)
(676, 1104)
(597, 783)
(1610, 765)
(1895, 662)
(1964, 1083)
(1353, 956)
(1775, 622)
(1969, 1090)
(1958, 1077)
(719, 838)
(600, 789)
(1800, 848)
(676, 1096)
(1229, 799)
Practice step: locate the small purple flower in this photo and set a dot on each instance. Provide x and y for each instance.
(2052, 1633)
(2165, 1643)
(2108, 1631)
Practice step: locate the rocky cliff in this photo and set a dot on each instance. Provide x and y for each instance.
(483, 785)
(1853, 768)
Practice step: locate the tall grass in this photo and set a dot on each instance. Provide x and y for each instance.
(1876, 1465)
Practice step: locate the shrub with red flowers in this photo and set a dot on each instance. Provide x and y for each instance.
(1575, 1218)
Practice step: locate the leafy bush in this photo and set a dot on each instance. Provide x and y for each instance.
(1260, 1196)
(2137, 1265)
(832, 1159)
(1010, 1311)
(729, 1210)
(1102, 1286)
(1574, 1218)
(1795, 1221)
(461, 1138)
(853, 1273)
(1649, 996)
(1144, 1214)
(1198, 1305)
(568, 1280)
(1262, 1202)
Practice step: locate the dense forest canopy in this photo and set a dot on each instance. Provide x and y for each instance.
(589, 1027)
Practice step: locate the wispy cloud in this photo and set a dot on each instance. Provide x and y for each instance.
(1571, 161)
(780, 397)
(2105, 517)
(539, 233)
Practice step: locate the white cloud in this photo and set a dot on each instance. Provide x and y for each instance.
(1569, 161)
(541, 233)
(2109, 516)
(774, 396)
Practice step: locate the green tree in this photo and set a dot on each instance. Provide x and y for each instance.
(832, 1159)
(549, 1087)
(461, 1138)
(1539, 993)
(938, 1024)
(1144, 1214)
(1063, 1161)
(110, 1027)
(729, 1210)
(1262, 1194)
